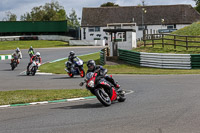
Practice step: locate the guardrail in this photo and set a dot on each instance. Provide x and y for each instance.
(160, 60)
(5, 57)
(103, 56)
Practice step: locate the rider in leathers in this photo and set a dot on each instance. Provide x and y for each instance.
(92, 67)
(17, 54)
(71, 58)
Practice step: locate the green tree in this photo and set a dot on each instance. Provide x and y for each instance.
(49, 12)
(72, 19)
(197, 5)
(197, 1)
(109, 4)
(10, 16)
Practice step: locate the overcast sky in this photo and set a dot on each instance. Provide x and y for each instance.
(19, 7)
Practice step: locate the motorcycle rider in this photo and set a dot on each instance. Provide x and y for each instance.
(36, 58)
(31, 51)
(17, 54)
(92, 67)
(71, 60)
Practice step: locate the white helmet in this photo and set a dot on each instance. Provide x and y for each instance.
(38, 54)
(17, 50)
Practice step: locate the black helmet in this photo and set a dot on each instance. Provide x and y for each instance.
(91, 64)
(72, 53)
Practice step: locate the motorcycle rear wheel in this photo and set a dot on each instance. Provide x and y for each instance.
(100, 94)
(71, 75)
(122, 98)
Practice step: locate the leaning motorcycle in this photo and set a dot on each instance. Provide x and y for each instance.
(75, 68)
(13, 63)
(33, 68)
(105, 92)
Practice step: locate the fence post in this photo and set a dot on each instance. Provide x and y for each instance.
(186, 43)
(152, 40)
(174, 41)
(162, 40)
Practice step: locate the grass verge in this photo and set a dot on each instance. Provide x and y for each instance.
(58, 68)
(28, 96)
(9, 45)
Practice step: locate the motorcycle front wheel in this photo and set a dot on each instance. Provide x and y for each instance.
(33, 71)
(103, 97)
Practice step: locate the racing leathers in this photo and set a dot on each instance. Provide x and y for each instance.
(102, 72)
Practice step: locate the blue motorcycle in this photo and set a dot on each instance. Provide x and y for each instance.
(75, 68)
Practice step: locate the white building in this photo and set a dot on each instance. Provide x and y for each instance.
(153, 18)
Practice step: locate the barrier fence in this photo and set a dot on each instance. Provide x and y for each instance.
(160, 60)
(173, 40)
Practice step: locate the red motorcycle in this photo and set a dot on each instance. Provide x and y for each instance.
(105, 92)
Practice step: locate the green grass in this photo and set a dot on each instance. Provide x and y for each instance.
(58, 67)
(10, 45)
(129, 69)
(28, 96)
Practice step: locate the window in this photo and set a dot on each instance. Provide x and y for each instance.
(94, 29)
(97, 29)
(91, 29)
(84, 33)
(170, 27)
(140, 27)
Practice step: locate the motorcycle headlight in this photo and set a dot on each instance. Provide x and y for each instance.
(91, 83)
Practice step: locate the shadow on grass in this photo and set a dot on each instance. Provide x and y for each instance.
(82, 106)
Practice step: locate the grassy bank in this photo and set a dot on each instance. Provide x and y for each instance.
(28, 96)
(191, 30)
(10, 45)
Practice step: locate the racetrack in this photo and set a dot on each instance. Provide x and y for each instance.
(159, 104)
(15, 80)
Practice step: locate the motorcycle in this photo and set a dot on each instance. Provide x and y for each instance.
(75, 69)
(105, 92)
(14, 63)
(33, 68)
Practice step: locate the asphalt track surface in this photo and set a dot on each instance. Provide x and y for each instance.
(159, 104)
(17, 80)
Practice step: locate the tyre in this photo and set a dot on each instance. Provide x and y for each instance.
(71, 75)
(103, 97)
(27, 73)
(82, 73)
(122, 98)
(13, 66)
(33, 71)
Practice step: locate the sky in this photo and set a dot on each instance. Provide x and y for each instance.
(19, 7)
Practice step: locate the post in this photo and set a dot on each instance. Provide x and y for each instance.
(152, 40)
(174, 41)
(144, 39)
(162, 41)
(186, 42)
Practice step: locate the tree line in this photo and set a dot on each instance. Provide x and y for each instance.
(49, 12)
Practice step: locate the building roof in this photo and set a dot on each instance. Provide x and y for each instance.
(172, 14)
